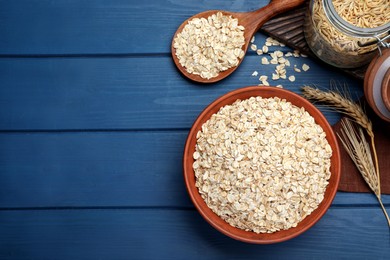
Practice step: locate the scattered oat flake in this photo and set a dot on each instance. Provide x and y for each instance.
(291, 78)
(263, 78)
(282, 60)
(282, 72)
(253, 39)
(278, 54)
(279, 86)
(274, 42)
(253, 47)
(305, 67)
(265, 49)
(259, 52)
(264, 61)
(296, 69)
(255, 73)
(265, 83)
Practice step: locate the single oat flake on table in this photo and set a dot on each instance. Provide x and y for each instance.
(262, 164)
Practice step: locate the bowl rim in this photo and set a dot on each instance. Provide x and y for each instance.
(249, 236)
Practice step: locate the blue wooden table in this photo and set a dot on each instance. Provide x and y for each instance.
(93, 120)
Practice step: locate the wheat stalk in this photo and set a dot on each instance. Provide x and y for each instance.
(341, 104)
(357, 147)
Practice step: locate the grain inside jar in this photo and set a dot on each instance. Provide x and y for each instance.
(343, 33)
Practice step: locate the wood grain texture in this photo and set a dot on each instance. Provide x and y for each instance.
(92, 169)
(98, 26)
(93, 120)
(106, 169)
(177, 234)
(112, 93)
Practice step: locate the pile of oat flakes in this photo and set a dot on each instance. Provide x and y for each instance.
(206, 47)
(262, 164)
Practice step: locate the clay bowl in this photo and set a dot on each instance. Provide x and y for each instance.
(377, 85)
(216, 221)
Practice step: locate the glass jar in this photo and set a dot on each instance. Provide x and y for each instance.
(340, 43)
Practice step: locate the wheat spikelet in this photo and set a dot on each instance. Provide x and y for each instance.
(354, 140)
(357, 147)
(340, 103)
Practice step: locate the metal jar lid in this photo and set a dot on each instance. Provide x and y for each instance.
(377, 85)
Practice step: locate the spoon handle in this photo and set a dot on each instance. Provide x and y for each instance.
(252, 21)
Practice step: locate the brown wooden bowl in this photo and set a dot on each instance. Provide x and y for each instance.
(215, 220)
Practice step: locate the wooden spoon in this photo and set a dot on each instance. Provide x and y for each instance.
(252, 21)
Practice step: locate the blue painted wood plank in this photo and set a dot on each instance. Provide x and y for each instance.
(92, 169)
(125, 93)
(351, 233)
(105, 65)
(98, 26)
(106, 169)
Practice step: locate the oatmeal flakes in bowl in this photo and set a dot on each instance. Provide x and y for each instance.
(261, 165)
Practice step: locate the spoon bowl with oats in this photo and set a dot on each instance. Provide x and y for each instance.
(210, 45)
